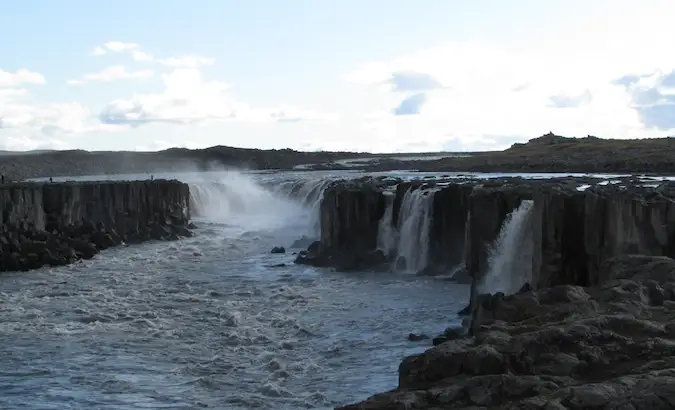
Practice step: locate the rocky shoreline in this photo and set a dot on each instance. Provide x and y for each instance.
(586, 321)
(57, 224)
(609, 347)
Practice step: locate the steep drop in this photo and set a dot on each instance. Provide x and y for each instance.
(249, 205)
(510, 256)
(407, 242)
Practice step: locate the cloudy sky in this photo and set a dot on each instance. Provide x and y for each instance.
(367, 75)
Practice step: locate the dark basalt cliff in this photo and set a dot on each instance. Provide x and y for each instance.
(59, 223)
(599, 290)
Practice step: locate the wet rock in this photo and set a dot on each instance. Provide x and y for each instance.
(303, 242)
(569, 347)
(451, 333)
(525, 288)
(278, 249)
(413, 337)
(465, 311)
(59, 223)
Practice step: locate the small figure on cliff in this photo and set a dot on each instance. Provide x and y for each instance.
(3, 178)
(51, 179)
(152, 177)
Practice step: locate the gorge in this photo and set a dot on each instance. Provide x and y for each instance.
(568, 282)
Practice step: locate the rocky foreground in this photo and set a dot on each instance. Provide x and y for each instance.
(60, 223)
(610, 347)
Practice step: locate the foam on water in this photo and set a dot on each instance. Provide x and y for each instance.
(214, 320)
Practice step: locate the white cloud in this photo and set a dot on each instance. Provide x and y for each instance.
(26, 125)
(118, 46)
(486, 95)
(116, 72)
(142, 56)
(22, 76)
(188, 99)
(187, 61)
(98, 51)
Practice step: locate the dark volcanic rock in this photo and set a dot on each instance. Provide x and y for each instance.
(59, 223)
(413, 337)
(606, 347)
(278, 249)
(350, 215)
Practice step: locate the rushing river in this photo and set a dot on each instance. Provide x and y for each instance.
(214, 321)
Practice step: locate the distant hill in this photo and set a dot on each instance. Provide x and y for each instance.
(555, 153)
(40, 151)
(548, 153)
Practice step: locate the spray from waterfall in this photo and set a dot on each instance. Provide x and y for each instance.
(510, 256)
(244, 201)
(408, 241)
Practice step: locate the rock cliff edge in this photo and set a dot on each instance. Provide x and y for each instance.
(52, 224)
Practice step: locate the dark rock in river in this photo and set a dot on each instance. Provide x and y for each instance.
(59, 223)
(413, 337)
(278, 249)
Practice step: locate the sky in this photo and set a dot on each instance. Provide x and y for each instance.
(367, 75)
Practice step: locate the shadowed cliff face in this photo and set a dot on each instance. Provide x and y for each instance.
(592, 328)
(572, 232)
(55, 224)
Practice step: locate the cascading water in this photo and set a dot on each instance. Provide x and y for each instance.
(387, 234)
(241, 202)
(310, 194)
(510, 256)
(409, 240)
(414, 222)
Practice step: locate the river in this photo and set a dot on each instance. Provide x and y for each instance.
(214, 321)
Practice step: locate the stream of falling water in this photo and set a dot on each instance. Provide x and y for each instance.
(510, 257)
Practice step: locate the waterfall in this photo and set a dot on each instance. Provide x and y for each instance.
(408, 242)
(310, 194)
(253, 203)
(387, 234)
(510, 256)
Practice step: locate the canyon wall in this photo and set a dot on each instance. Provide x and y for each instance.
(58, 223)
(573, 232)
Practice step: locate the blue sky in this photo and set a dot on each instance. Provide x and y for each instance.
(369, 75)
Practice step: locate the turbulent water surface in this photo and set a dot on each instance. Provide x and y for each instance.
(210, 321)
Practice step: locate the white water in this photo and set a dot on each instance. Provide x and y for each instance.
(387, 234)
(409, 240)
(216, 320)
(510, 256)
(243, 203)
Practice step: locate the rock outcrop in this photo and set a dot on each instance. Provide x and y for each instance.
(590, 326)
(350, 214)
(572, 232)
(606, 347)
(59, 223)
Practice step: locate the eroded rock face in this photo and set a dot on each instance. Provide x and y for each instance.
(350, 216)
(58, 223)
(606, 347)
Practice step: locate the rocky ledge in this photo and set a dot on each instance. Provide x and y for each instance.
(59, 223)
(610, 346)
(577, 316)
